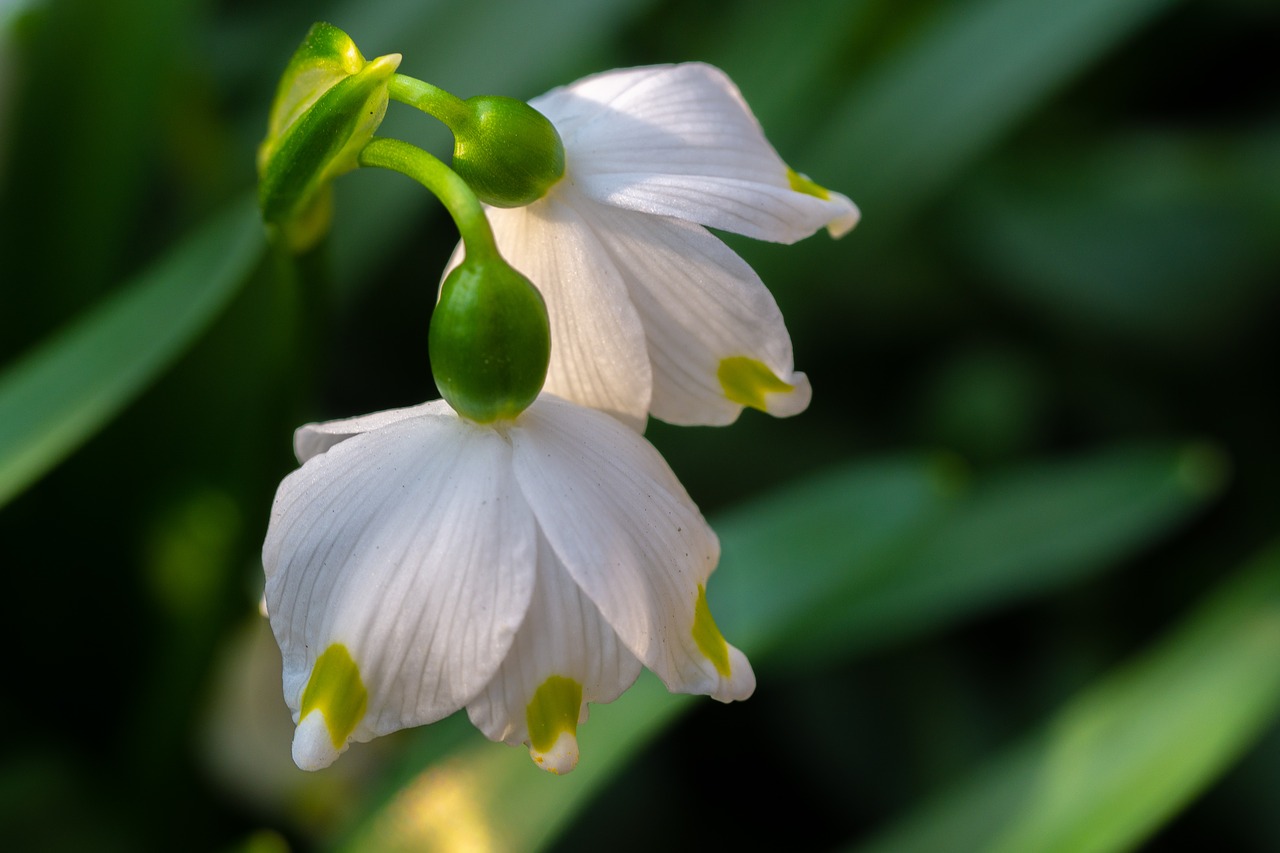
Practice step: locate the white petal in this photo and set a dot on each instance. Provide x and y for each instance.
(704, 311)
(598, 355)
(410, 549)
(312, 439)
(679, 140)
(630, 537)
(563, 636)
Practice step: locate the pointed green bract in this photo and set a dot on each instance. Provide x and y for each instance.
(326, 56)
(553, 711)
(708, 637)
(328, 105)
(747, 381)
(336, 691)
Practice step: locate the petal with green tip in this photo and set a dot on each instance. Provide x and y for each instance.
(564, 656)
(411, 547)
(680, 140)
(628, 535)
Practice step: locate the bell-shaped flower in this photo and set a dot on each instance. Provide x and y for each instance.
(418, 563)
(651, 313)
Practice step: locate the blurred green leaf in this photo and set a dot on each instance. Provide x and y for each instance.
(61, 393)
(967, 76)
(1166, 236)
(1026, 532)
(78, 168)
(903, 545)
(1123, 756)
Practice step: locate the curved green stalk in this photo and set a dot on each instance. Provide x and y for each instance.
(443, 182)
(432, 100)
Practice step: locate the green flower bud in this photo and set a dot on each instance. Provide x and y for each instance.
(509, 153)
(490, 340)
(327, 107)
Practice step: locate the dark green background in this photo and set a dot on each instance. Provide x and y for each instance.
(1043, 431)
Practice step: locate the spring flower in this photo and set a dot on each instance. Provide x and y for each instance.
(418, 563)
(651, 313)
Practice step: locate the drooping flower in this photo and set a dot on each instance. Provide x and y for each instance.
(651, 313)
(418, 563)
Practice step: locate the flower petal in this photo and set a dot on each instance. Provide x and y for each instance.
(716, 338)
(564, 656)
(631, 538)
(399, 565)
(598, 355)
(679, 140)
(312, 439)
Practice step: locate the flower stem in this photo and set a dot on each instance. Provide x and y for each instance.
(432, 100)
(443, 182)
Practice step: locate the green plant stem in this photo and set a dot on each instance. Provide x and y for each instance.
(432, 100)
(443, 182)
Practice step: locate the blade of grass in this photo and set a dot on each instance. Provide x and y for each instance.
(58, 395)
(1121, 758)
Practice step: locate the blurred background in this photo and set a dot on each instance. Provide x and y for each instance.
(1011, 583)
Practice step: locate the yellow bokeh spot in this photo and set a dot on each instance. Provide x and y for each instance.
(801, 184)
(708, 637)
(746, 381)
(336, 691)
(553, 711)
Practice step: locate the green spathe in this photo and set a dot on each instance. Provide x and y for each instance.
(490, 340)
(508, 153)
(329, 103)
(326, 56)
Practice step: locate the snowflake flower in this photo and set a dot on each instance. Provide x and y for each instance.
(651, 313)
(418, 563)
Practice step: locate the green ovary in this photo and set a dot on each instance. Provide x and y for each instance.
(336, 691)
(708, 637)
(553, 711)
(746, 381)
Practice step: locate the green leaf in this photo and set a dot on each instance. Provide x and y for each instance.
(1023, 533)
(965, 79)
(910, 538)
(1128, 752)
(58, 395)
(1169, 238)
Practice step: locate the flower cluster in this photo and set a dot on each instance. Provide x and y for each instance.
(517, 548)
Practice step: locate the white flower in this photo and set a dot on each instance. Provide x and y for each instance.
(650, 313)
(418, 563)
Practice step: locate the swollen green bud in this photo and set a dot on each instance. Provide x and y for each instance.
(327, 107)
(490, 340)
(508, 153)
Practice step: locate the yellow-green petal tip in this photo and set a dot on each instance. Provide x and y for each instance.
(748, 382)
(708, 637)
(336, 691)
(552, 718)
